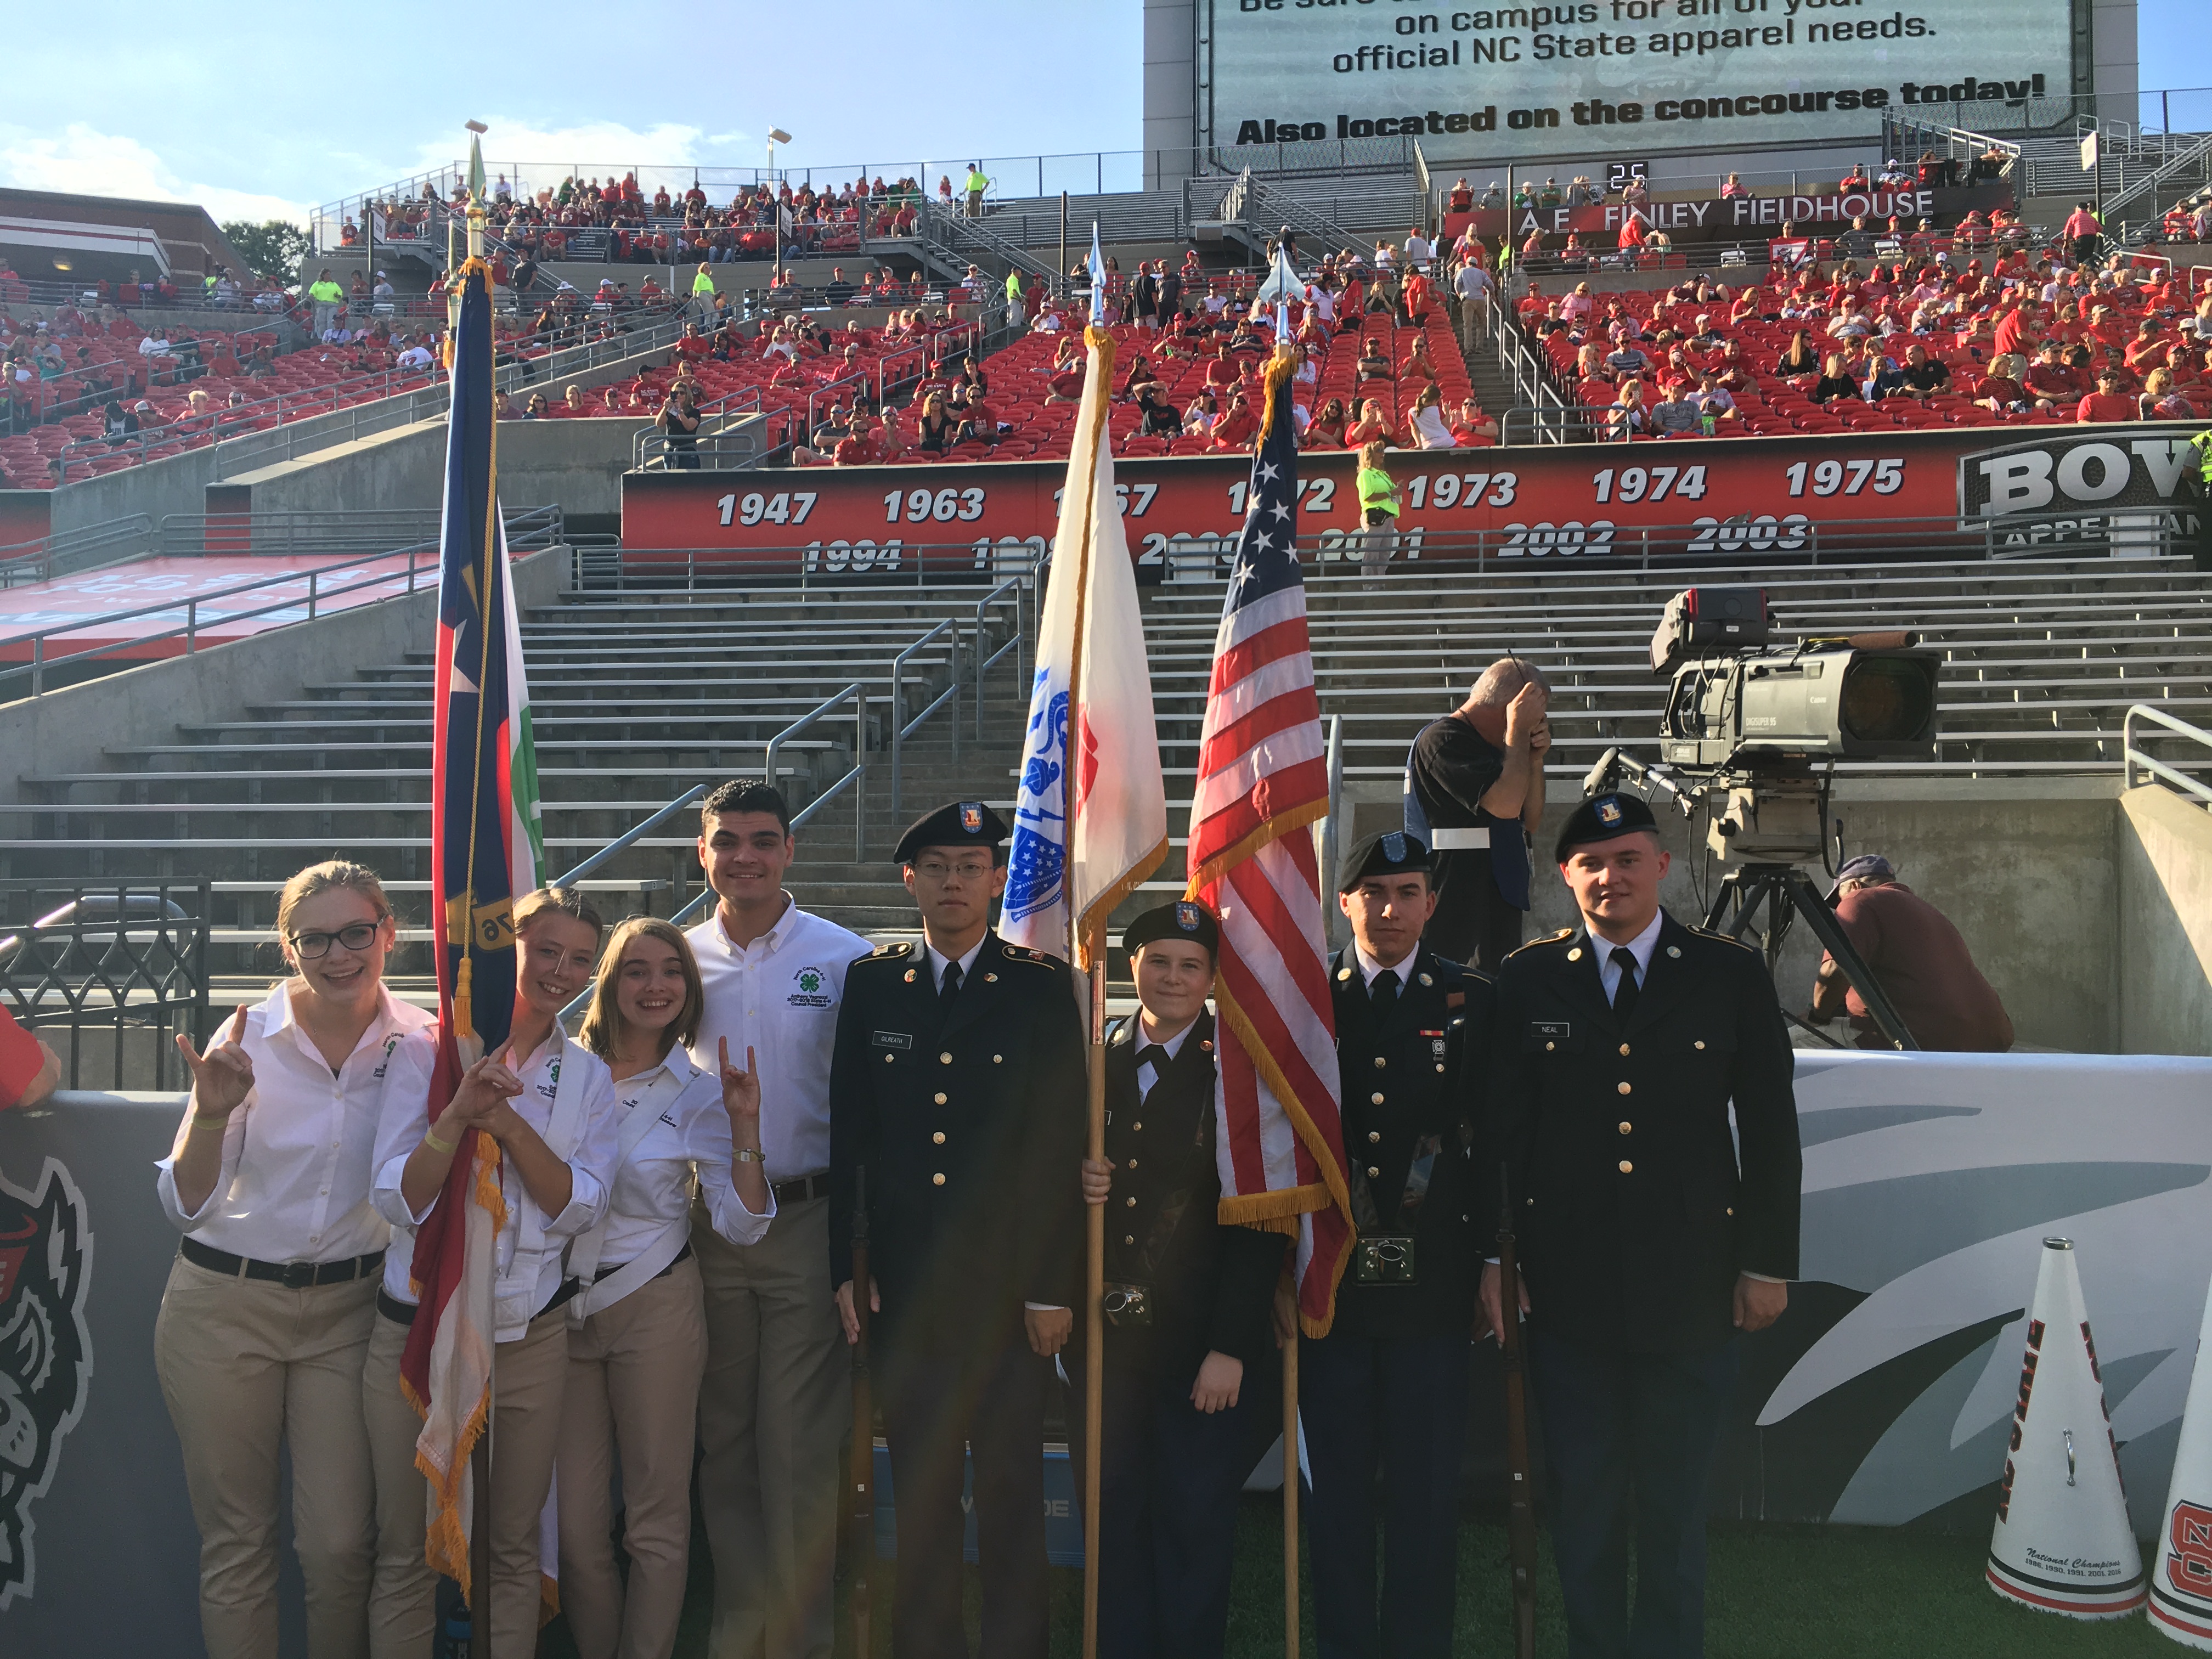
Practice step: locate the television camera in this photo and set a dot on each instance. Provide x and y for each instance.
(1746, 719)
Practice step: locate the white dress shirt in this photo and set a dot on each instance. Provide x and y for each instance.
(1641, 947)
(653, 1187)
(294, 1180)
(778, 996)
(1369, 968)
(1146, 1074)
(939, 962)
(526, 1279)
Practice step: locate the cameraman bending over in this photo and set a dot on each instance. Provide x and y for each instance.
(1918, 957)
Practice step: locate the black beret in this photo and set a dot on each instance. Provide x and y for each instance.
(1185, 919)
(962, 823)
(1393, 853)
(1603, 818)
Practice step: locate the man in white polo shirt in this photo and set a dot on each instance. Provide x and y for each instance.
(774, 1403)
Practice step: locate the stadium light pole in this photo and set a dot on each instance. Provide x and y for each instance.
(775, 136)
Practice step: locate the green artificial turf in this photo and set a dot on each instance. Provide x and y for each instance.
(1775, 1592)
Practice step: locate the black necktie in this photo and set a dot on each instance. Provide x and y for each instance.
(1385, 992)
(948, 993)
(1624, 994)
(1152, 1054)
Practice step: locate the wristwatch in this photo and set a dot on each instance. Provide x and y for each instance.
(750, 1155)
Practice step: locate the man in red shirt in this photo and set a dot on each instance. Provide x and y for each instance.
(1919, 958)
(2053, 383)
(2015, 326)
(1237, 428)
(2106, 403)
(2082, 231)
(693, 344)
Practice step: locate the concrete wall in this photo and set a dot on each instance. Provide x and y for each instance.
(2165, 924)
(2028, 868)
(72, 730)
(576, 463)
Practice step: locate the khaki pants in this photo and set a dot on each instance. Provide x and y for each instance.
(403, 1602)
(1473, 314)
(528, 1382)
(633, 1390)
(1378, 540)
(773, 1411)
(246, 1366)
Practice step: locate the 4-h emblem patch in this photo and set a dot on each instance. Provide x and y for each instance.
(811, 989)
(45, 1354)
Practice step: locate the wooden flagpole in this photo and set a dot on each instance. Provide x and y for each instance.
(1094, 1293)
(1291, 1495)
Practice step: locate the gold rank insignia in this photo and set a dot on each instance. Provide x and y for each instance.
(897, 948)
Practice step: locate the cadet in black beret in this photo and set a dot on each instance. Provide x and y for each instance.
(1649, 1235)
(1601, 818)
(957, 1115)
(962, 823)
(1188, 1399)
(1388, 1384)
(1389, 853)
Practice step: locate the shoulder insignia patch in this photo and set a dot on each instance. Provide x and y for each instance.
(898, 948)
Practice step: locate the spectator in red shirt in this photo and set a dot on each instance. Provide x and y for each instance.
(2082, 231)
(1920, 960)
(2106, 403)
(1237, 428)
(2001, 390)
(2147, 351)
(2051, 382)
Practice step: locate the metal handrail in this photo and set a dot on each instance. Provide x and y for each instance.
(901, 726)
(858, 777)
(629, 837)
(2132, 757)
(984, 664)
(39, 663)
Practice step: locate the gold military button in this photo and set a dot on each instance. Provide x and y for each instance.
(1575, 955)
(1700, 1043)
(1375, 1099)
(1549, 1046)
(1731, 1209)
(1626, 1127)
(1136, 1128)
(1440, 1065)
(1380, 1062)
(1624, 1048)
(998, 1060)
(945, 1060)
(889, 1058)
(937, 1180)
(1131, 1165)
(1373, 1134)
(1373, 1171)
(1128, 1238)
(1625, 1088)
(990, 979)
(938, 1137)
(1626, 1168)
(940, 1098)
(1344, 973)
(1131, 1202)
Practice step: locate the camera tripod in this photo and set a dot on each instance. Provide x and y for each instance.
(1787, 893)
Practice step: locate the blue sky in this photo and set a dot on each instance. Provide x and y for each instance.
(255, 113)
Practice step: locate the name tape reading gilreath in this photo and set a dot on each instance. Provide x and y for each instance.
(1595, 76)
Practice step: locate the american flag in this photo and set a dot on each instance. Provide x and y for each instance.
(1262, 782)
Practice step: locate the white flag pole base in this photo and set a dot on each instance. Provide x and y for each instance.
(2063, 1542)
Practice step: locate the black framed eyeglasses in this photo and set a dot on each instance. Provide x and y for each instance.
(356, 937)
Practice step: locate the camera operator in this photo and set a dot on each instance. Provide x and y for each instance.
(1918, 957)
(1474, 793)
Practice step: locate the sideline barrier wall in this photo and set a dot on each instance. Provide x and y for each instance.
(1999, 489)
(1883, 1396)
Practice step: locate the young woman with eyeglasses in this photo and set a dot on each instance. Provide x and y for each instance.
(266, 1318)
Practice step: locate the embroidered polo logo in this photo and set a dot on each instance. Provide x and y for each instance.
(811, 988)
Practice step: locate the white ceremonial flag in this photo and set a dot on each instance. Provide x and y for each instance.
(1090, 821)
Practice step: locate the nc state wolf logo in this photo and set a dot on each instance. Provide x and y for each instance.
(46, 1352)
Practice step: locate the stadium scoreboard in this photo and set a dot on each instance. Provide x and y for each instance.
(1614, 77)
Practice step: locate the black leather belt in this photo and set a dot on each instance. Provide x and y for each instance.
(398, 1312)
(799, 1191)
(684, 1255)
(292, 1275)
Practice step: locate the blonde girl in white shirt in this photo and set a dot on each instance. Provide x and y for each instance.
(268, 1310)
(637, 1329)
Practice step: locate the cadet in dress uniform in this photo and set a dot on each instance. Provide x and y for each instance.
(1187, 1307)
(1646, 1242)
(958, 1087)
(1388, 1384)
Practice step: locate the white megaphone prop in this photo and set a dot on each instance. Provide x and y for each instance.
(2181, 1583)
(2063, 1542)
